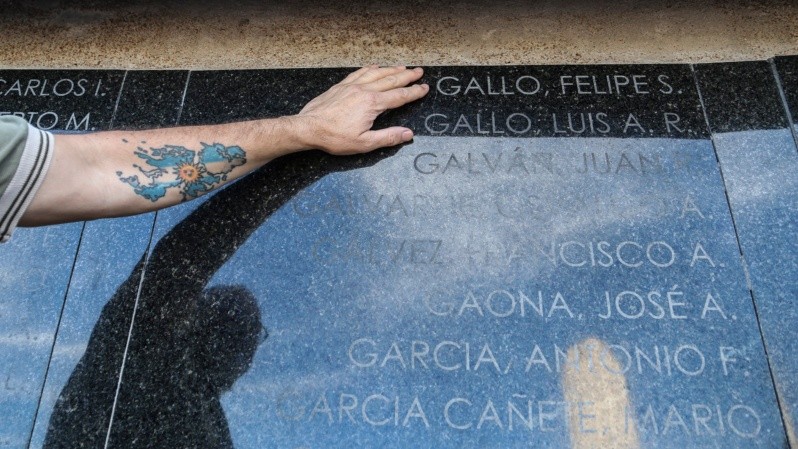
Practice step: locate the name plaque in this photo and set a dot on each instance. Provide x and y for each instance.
(565, 256)
(61, 100)
(551, 262)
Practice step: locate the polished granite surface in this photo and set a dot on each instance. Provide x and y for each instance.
(565, 256)
(37, 264)
(786, 68)
(101, 300)
(758, 157)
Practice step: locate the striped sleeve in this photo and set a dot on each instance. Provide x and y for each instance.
(33, 164)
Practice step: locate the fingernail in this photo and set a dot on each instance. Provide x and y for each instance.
(407, 135)
(418, 69)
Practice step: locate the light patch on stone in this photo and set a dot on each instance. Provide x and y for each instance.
(598, 400)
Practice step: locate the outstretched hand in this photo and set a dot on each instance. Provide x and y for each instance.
(83, 181)
(339, 121)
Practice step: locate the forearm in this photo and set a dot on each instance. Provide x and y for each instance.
(131, 172)
(111, 174)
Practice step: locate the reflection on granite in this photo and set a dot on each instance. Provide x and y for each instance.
(190, 343)
(80, 345)
(148, 99)
(35, 267)
(764, 195)
(576, 282)
(759, 161)
(447, 306)
(461, 292)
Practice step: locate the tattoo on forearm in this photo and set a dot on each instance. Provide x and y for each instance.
(192, 173)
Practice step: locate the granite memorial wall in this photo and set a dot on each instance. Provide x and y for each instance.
(565, 256)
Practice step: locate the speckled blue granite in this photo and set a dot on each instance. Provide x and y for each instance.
(35, 267)
(83, 375)
(32, 289)
(304, 305)
(759, 161)
(92, 310)
(338, 290)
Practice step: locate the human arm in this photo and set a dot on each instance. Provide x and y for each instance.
(120, 173)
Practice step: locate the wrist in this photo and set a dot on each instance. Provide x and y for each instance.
(280, 136)
(296, 132)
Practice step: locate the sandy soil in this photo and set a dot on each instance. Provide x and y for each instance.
(312, 33)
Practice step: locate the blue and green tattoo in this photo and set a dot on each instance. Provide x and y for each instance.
(176, 167)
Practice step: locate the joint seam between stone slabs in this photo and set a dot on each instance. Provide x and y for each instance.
(118, 98)
(723, 181)
(149, 246)
(148, 252)
(182, 104)
(71, 275)
(786, 106)
(55, 336)
(742, 259)
(129, 333)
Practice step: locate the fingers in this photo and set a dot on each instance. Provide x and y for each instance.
(374, 74)
(400, 97)
(393, 81)
(344, 115)
(382, 79)
(387, 137)
(357, 73)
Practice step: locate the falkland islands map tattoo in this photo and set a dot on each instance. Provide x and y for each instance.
(192, 173)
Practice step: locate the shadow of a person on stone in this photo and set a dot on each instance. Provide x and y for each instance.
(188, 344)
